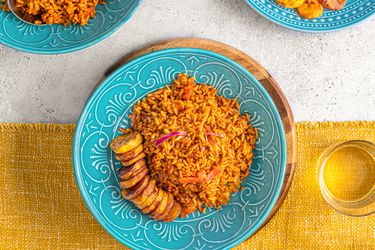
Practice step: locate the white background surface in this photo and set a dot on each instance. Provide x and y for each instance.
(324, 76)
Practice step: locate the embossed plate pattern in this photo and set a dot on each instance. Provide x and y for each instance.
(56, 39)
(107, 110)
(354, 12)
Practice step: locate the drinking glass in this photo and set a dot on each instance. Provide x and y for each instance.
(346, 173)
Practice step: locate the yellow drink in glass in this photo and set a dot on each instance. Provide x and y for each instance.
(346, 175)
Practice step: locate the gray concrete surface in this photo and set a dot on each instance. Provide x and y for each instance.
(324, 76)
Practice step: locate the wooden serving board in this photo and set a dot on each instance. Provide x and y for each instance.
(260, 74)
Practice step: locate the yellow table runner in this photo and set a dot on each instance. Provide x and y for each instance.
(40, 206)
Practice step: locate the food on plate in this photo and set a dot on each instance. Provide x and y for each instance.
(129, 171)
(134, 160)
(156, 213)
(135, 191)
(198, 145)
(57, 12)
(174, 212)
(131, 154)
(136, 183)
(194, 144)
(152, 206)
(126, 143)
(132, 181)
(290, 3)
(4, 6)
(147, 196)
(333, 4)
(163, 214)
(311, 9)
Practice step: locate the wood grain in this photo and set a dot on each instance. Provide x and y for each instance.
(263, 77)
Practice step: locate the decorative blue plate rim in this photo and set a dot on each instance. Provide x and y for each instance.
(91, 99)
(78, 47)
(306, 29)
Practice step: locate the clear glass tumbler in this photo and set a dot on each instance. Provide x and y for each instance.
(346, 173)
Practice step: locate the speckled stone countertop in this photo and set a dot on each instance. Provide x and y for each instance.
(324, 76)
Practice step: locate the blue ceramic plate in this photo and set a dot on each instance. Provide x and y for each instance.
(354, 12)
(57, 39)
(107, 110)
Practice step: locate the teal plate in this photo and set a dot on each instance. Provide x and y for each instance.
(107, 110)
(354, 12)
(57, 39)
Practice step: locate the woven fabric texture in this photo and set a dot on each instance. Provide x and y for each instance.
(41, 208)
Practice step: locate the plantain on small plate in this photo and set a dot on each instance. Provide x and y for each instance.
(310, 9)
(333, 4)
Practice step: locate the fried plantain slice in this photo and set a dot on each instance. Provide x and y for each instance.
(311, 9)
(290, 3)
(147, 201)
(147, 192)
(131, 182)
(156, 203)
(333, 4)
(130, 154)
(161, 207)
(126, 142)
(174, 212)
(167, 208)
(132, 161)
(132, 192)
(128, 172)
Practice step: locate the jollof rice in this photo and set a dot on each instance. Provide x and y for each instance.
(3, 5)
(57, 11)
(213, 139)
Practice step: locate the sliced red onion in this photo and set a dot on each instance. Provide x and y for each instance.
(132, 120)
(162, 139)
(214, 134)
(211, 140)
